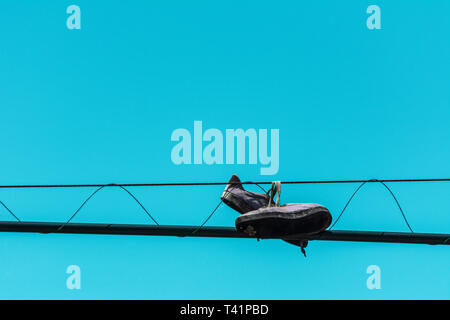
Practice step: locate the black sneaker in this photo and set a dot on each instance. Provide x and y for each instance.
(278, 221)
(245, 202)
(241, 200)
(289, 219)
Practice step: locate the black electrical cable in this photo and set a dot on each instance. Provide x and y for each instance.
(9, 211)
(209, 217)
(217, 183)
(122, 186)
(356, 191)
(93, 193)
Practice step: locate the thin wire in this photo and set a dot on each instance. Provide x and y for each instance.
(126, 190)
(264, 190)
(209, 217)
(398, 205)
(346, 205)
(215, 183)
(75, 213)
(148, 214)
(93, 193)
(122, 186)
(10, 211)
(390, 191)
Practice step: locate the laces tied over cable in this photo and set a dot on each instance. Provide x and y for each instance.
(275, 189)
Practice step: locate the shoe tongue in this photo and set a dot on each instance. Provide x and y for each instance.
(235, 182)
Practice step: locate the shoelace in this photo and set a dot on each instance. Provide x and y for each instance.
(275, 189)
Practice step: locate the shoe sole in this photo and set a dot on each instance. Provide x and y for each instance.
(278, 225)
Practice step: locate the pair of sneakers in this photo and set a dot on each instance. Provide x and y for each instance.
(264, 217)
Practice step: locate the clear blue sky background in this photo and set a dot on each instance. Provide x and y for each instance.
(98, 105)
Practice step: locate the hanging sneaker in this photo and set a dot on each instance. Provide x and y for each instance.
(242, 200)
(289, 219)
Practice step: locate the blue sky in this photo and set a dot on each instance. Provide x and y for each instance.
(99, 104)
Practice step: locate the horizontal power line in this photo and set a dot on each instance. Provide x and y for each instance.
(220, 232)
(169, 184)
